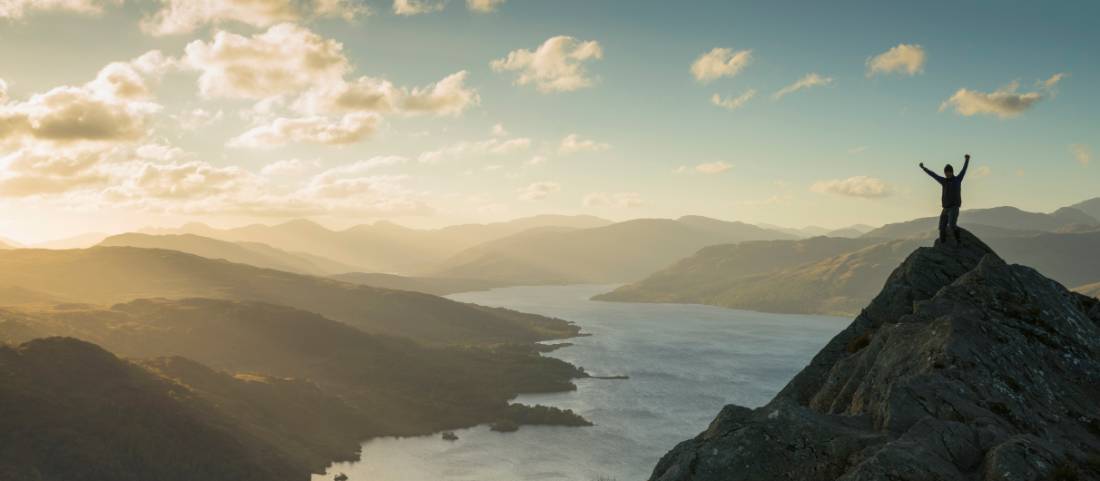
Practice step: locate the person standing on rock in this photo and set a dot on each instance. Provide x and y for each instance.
(951, 199)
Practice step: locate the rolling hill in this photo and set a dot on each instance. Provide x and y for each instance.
(439, 286)
(995, 222)
(614, 253)
(352, 385)
(251, 253)
(74, 411)
(105, 275)
(1089, 289)
(382, 246)
(837, 284)
(1090, 207)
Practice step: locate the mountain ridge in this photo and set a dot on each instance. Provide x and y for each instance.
(937, 378)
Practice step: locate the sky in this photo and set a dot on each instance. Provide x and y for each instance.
(121, 114)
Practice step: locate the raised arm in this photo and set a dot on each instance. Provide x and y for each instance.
(931, 174)
(966, 163)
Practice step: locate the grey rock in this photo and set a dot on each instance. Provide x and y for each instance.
(962, 368)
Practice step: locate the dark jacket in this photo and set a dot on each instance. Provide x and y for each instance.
(952, 187)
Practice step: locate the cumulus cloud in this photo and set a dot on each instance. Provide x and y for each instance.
(904, 58)
(1082, 153)
(733, 103)
(19, 8)
(538, 190)
(113, 107)
(808, 81)
(285, 59)
(484, 6)
(417, 7)
(348, 129)
(449, 96)
(184, 16)
(713, 167)
(573, 144)
(558, 65)
(1005, 102)
(494, 146)
(718, 63)
(1052, 82)
(859, 186)
(616, 199)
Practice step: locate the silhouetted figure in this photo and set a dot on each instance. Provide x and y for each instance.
(951, 199)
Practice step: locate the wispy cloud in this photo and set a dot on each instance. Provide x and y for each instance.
(573, 144)
(1082, 153)
(808, 81)
(538, 190)
(733, 103)
(417, 7)
(484, 6)
(859, 186)
(713, 167)
(616, 199)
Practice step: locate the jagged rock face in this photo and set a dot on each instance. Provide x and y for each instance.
(963, 368)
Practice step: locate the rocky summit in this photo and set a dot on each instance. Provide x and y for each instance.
(962, 368)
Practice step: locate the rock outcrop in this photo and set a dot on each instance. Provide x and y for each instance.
(962, 368)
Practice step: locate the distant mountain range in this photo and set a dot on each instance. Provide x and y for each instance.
(251, 253)
(382, 246)
(810, 276)
(995, 222)
(612, 253)
(439, 286)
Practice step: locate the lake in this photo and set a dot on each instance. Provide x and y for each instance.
(684, 363)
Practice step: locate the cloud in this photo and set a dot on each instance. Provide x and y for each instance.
(289, 167)
(417, 7)
(41, 171)
(539, 190)
(713, 167)
(348, 129)
(484, 6)
(195, 119)
(859, 149)
(113, 107)
(1082, 153)
(859, 186)
(718, 63)
(558, 65)
(449, 96)
(733, 103)
(285, 59)
(1004, 103)
(573, 144)
(982, 171)
(617, 199)
(494, 146)
(1052, 82)
(809, 80)
(185, 16)
(498, 130)
(904, 58)
(17, 9)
